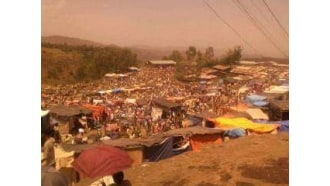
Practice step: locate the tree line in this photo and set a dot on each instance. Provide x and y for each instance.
(93, 62)
(193, 55)
(194, 60)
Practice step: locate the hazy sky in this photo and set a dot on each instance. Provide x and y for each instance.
(173, 23)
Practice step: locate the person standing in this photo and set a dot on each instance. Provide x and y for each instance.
(48, 149)
(50, 176)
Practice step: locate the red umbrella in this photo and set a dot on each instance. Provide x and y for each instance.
(103, 160)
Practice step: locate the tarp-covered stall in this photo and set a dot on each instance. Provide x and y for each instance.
(257, 113)
(67, 115)
(198, 136)
(164, 108)
(230, 123)
(198, 140)
(159, 151)
(44, 120)
(279, 110)
(203, 118)
(257, 100)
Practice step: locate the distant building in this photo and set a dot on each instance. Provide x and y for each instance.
(248, 63)
(222, 68)
(209, 71)
(134, 69)
(161, 62)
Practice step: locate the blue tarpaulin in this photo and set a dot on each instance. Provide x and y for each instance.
(117, 90)
(254, 97)
(257, 100)
(234, 133)
(158, 151)
(260, 103)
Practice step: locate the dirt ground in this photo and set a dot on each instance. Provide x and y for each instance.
(247, 161)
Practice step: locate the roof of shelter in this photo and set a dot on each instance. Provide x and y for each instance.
(162, 62)
(221, 67)
(165, 103)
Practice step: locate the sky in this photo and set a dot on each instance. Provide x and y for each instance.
(172, 23)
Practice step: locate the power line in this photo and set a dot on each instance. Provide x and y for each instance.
(260, 10)
(254, 22)
(274, 16)
(227, 24)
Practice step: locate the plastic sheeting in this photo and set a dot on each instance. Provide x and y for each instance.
(234, 133)
(230, 123)
(260, 103)
(254, 97)
(197, 141)
(257, 100)
(256, 113)
(159, 152)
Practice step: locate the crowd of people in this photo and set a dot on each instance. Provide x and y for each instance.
(123, 118)
(128, 111)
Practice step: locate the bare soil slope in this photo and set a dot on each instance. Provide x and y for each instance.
(247, 161)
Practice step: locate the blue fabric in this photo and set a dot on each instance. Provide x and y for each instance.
(234, 133)
(260, 103)
(253, 98)
(284, 125)
(116, 90)
(158, 152)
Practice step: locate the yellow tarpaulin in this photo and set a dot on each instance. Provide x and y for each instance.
(227, 123)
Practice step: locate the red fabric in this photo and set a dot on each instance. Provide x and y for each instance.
(101, 161)
(98, 111)
(43, 95)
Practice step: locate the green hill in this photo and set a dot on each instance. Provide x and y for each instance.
(62, 63)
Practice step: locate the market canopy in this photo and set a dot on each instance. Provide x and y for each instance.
(164, 103)
(63, 110)
(257, 113)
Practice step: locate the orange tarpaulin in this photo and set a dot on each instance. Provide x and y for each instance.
(196, 141)
(98, 111)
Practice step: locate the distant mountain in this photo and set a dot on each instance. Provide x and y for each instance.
(145, 53)
(69, 41)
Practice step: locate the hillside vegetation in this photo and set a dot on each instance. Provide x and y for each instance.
(69, 41)
(71, 60)
(65, 63)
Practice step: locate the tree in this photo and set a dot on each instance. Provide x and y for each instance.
(200, 59)
(191, 53)
(209, 53)
(233, 56)
(176, 56)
